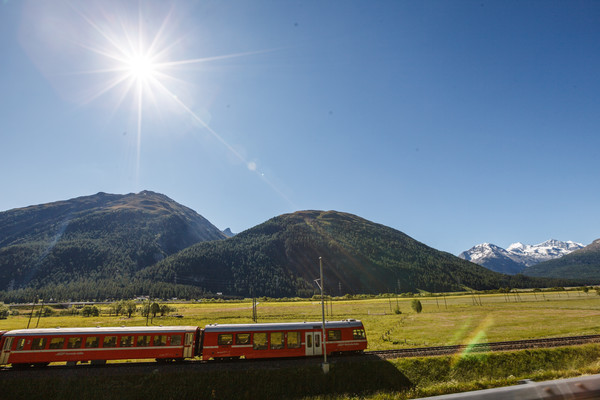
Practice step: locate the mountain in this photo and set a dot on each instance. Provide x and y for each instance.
(93, 238)
(518, 256)
(117, 246)
(281, 258)
(580, 264)
(227, 232)
(548, 250)
(492, 257)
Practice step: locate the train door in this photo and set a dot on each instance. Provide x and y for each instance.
(6, 350)
(312, 341)
(188, 348)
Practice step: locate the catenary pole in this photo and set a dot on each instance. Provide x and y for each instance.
(325, 365)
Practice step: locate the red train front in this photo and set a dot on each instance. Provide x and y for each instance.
(291, 339)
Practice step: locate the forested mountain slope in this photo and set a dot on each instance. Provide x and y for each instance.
(281, 258)
(100, 237)
(580, 264)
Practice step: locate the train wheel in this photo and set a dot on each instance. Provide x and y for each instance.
(165, 360)
(98, 362)
(20, 366)
(40, 365)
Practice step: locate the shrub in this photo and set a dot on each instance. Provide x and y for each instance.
(90, 311)
(416, 305)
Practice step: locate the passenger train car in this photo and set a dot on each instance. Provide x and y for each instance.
(294, 339)
(39, 347)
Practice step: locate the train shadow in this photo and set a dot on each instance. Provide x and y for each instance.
(347, 376)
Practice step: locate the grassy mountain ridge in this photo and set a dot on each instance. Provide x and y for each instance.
(281, 258)
(580, 264)
(103, 236)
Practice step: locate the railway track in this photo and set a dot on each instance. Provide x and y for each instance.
(484, 347)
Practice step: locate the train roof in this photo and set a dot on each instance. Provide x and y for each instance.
(347, 323)
(101, 330)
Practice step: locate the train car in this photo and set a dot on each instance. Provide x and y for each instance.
(39, 347)
(291, 339)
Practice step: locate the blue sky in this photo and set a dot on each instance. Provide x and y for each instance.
(455, 122)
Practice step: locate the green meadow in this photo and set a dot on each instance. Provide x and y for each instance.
(390, 322)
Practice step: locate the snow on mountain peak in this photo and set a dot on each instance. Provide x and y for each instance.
(521, 254)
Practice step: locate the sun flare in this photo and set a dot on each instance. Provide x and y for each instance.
(139, 56)
(141, 68)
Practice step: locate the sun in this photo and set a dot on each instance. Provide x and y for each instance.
(140, 56)
(141, 68)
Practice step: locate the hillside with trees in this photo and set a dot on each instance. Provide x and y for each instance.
(581, 264)
(281, 258)
(94, 244)
(108, 246)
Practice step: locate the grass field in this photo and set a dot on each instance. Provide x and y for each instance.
(457, 319)
(444, 320)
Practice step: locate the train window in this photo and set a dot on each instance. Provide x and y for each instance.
(91, 342)
(126, 341)
(143, 341)
(293, 340)
(38, 343)
(277, 340)
(317, 340)
(74, 343)
(260, 341)
(176, 340)
(309, 341)
(57, 343)
(20, 344)
(225, 338)
(109, 341)
(160, 340)
(334, 334)
(358, 334)
(242, 338)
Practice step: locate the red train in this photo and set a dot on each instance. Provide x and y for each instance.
(39, 347)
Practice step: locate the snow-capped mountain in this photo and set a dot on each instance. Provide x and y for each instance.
(549, 250)
(518, 255)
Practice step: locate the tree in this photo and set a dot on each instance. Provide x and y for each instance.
(585, 289)
(154, 309)
(90, 311)
(4, 311)
(165, 309)
(416, 305)
(116, 307)
(145, 310)
(130, 307)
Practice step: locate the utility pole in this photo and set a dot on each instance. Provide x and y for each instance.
(40, 314)
(32, 308)
(325, 366)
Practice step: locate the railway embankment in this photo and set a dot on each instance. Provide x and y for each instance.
(349, 377)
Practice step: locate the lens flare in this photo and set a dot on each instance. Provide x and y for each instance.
(478, 336)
